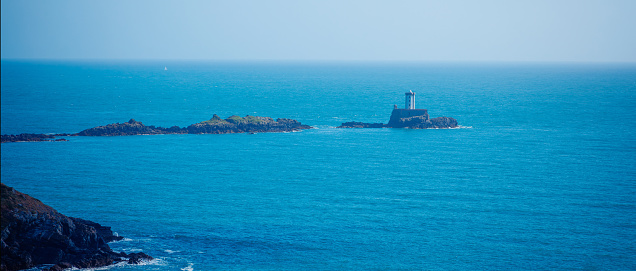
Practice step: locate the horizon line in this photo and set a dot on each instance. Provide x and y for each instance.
(318, 61)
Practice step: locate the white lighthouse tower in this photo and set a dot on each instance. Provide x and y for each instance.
(409, 111)
(410, 100)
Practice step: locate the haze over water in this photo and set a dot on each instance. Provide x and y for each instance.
(541, 176)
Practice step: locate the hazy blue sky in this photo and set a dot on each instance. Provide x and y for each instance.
(321, 30)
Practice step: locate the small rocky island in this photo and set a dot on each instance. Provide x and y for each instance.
(409, 117)
(216, 125)
(34, 234)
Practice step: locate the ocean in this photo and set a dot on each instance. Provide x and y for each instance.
(540, 176)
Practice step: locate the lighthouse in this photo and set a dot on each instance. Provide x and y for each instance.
(410, 100)
(398, 115)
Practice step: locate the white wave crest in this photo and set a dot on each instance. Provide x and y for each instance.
(124, 264)
(122, 240)
(188, 268)
(154, 261)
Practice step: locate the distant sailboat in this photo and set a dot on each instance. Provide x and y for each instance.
(165, 68)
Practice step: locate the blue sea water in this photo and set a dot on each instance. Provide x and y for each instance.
(541, 175)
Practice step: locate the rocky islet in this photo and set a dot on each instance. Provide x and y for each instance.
(216, 125)
(410, 119)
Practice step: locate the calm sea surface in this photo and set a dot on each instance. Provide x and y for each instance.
(541, 176)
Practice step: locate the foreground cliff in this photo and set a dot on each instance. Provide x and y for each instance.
(216, 125)
(408, 118)
(35, 234)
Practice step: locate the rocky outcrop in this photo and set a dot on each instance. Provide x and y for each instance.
(248, 124)
(407, 118)
(137, 258)
(131, 127)
(30, 137)
(35, 234)
(443, 122)
(419, 122)
(398, 116)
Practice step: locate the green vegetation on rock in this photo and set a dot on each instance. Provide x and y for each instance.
(252, 119)
(234, 119)
(215, 120)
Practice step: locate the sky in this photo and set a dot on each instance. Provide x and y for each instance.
(311, 30)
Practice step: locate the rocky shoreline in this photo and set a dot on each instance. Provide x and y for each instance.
(34, 234)
(216, 125)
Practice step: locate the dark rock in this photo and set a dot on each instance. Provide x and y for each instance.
(444, 122)
(215, 117)
(97, 259)
(35, 234)
(399, 116)
(60, 266)
(174, 130)
(105, 232)
(137, 258)
(26, 138)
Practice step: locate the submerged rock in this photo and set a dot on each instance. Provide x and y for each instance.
(35, 234)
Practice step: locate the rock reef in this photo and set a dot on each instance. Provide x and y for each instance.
(30, 137)
(34, 234)
(216, 125)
